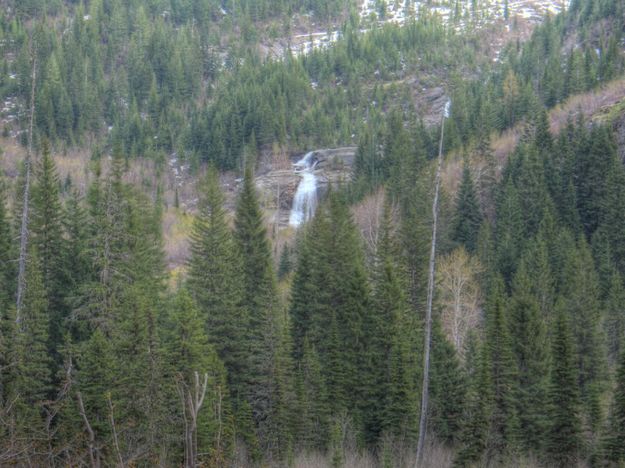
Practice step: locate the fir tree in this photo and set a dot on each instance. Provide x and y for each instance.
(47, 234)
(95, 382)
(615, 317)
(330, 303)
(31, 377)
(284, 267)
(447, 387)
(504, 419)
(614, 442)
(314, 415)
(563, 441)
(267, 383)
(391, 400)
(476, 429)
(580, 296)
(468, 217)
(188, 351)
(529, 343)
(214, 282)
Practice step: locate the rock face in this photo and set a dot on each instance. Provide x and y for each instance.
(277, 187)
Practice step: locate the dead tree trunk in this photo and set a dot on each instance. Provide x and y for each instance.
(94, 457)
(192, 401)
(118, 452)
(21, 278)
(428, 312)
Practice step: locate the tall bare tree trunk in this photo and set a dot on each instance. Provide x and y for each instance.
(428, 312)
(191, 405)
(93, 454)
(21, 278)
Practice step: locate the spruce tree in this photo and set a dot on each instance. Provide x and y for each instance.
(392, 396)
(447, 388)
(613, 213)
(503, 367)
(479, 407)
(615, 317)
(214, 282)
(47, 234)
(563, 441)
(509, 230)
(312, 394)
(468, 217)
(188, 351)
(529, 343)
(268, 385)
(76, 227)
(95, 382)
(580, 296)
(614, 440)
(30, 379)
(330, 306)
(284, 267)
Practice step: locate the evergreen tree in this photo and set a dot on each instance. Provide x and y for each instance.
(392, 403)
(468, 217)
(580, 296)
(476, 429)
(593, 166)
(268, 383)
(95, 382)
(284, 267)
(330, 303)
(509, 230)
(563, 442)
(613, 209)
(188, 352)
(312, 394)
(30, 379)
(47, 234)
(447, 388)
(615, 317)
(529, 343)
(614, 444)
(214, 282)
(504, 422)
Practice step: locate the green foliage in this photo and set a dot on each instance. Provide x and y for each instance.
(614, 448)
(188, 352)
(46, 228)
(504, 421)
(213, 281)
(531, 350)
(476, 428)
(468, 218)
(268, 386)
(330, 305)
(101, 363)
(563, 442)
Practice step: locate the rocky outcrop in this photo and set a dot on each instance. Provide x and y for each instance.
(277, 187)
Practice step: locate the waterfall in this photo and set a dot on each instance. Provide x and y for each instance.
(305, 199)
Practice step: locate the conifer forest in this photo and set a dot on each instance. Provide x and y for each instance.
(312, 233)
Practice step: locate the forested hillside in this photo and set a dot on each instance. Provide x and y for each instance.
(310, 344)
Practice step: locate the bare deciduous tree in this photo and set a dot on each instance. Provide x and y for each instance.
(459, 295)
(369, 216)
(94, 456)
(192, 400)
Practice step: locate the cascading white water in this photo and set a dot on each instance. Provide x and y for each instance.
(305, 199)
